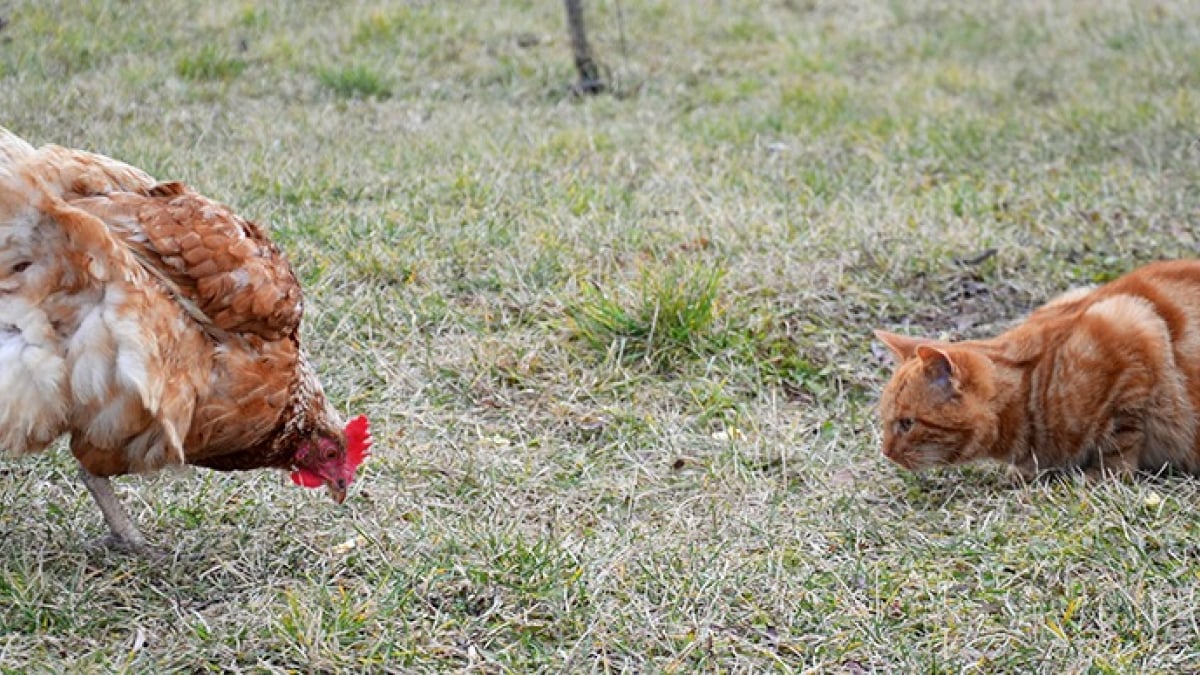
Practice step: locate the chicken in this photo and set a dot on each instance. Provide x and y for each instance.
(156, 328)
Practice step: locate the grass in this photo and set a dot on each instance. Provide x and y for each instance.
(617, 351)
(669, 319)
(209, 64)
(355, 81)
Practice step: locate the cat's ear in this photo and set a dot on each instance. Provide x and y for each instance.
(902, 346)
(939, 368)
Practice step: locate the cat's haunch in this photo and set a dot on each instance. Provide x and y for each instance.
(1103, 380)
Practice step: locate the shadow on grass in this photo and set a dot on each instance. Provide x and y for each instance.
(956, 487)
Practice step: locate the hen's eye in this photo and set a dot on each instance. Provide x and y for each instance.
(903, 425)
(330, 454)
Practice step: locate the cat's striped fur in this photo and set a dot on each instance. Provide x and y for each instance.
(1105, 380)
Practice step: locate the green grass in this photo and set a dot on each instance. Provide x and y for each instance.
(354, 81)
(617, 351)
(669, 318)
(208, 63)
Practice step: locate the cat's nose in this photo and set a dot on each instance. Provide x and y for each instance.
(892, 453)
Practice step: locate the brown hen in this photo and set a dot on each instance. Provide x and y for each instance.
(156, 327)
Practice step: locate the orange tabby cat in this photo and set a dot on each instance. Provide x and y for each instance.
(1105, 380)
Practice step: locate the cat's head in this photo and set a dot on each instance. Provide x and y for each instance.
(938, 407)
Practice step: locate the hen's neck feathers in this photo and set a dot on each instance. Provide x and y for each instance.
(308, 410)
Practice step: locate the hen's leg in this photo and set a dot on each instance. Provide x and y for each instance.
(124, 533)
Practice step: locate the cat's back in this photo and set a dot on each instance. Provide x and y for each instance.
(1172, 291)
(1163, 297)
(1148, 320)
(1157, 278)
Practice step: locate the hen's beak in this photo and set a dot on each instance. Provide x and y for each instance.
(337, 490)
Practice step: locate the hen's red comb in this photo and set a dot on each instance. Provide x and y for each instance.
(358, 441)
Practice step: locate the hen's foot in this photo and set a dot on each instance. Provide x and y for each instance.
(115, 544)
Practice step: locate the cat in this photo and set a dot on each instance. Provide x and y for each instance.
(1104, 380)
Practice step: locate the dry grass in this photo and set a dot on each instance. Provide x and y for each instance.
(617, 351)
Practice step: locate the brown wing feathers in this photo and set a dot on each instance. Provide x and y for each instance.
(222, 263)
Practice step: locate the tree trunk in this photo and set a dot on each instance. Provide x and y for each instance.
(590, 81)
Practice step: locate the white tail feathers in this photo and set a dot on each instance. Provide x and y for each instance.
(13, 149)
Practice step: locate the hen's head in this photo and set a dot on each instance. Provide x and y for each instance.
(332, 459)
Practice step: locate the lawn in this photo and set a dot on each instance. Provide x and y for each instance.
(617, 351)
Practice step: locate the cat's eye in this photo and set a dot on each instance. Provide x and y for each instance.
(903, 425)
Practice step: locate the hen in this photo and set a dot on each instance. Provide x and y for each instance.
(154, 326)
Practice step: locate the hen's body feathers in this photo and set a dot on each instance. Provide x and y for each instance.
(153, 325)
